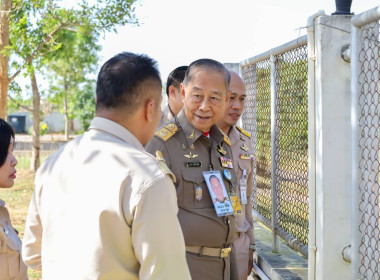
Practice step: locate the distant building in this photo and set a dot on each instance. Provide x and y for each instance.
(22, 121)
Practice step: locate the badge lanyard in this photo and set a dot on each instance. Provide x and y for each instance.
(243, 187)
(233, 197)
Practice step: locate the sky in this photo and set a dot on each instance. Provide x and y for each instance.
(177, 32)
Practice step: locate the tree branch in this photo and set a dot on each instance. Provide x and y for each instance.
(45, 40)
(18, 104)
(69, 29)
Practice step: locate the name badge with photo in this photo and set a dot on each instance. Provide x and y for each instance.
(218, 193)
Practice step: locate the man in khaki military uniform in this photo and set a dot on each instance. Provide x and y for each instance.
(243, 246)
(173, 91)
(102, 206)
(190, 145)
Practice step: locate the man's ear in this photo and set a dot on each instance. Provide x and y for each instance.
(171, 90)
(149, 109)
(183, 92)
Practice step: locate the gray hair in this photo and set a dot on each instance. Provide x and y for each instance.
(208, 64)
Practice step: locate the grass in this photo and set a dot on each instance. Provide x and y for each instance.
(17, 198)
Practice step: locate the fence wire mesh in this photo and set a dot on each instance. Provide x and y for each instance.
(369, 127)
(256, 119)
(291, 141)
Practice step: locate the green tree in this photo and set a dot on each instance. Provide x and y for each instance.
(35, 32)
(84, 104)
(5, 6)
(69, 77)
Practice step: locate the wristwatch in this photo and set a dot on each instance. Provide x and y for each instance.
(252, 247)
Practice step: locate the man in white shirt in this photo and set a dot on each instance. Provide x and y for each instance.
(103, 208)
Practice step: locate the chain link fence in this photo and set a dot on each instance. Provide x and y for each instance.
(256, 119)
(290, 140)
(291, 143)
(369, 129)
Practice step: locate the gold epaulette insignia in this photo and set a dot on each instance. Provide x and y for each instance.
(227, 140)
(246, 133)
(171, 127)
(166, 170)
(167, 131)
(162, 164)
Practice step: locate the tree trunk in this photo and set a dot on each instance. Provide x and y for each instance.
(35, 163)
(66, 109)
(5, 6)
(67, 121)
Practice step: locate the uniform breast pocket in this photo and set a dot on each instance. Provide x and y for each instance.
(196, 194)
(9, 257)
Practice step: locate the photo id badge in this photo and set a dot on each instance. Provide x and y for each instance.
(243, 191)
(236, 206)
(218, 193)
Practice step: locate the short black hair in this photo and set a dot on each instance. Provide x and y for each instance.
(176, 77)
(6, 131)
(121, 76)
(209, 64)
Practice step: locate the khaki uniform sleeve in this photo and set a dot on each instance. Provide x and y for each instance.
(248, 209)
(157, 236)
(31, 246)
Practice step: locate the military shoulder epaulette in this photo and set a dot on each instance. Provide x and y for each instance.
(227, 140)
(167, 131)
(246, 133)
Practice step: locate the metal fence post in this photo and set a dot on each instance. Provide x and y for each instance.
(355, 238)
(311, 143)
(274, 162)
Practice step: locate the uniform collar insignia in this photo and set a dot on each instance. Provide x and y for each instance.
(227, 140)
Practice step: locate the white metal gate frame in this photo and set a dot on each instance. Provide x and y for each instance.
(271, 55)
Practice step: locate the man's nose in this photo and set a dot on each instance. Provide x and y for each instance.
(237, 105)
(204, 106)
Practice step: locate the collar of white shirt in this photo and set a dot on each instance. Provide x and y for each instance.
(117, 130)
